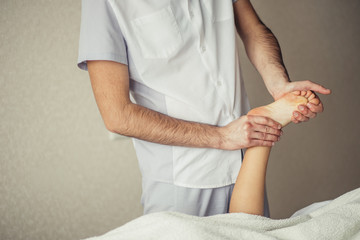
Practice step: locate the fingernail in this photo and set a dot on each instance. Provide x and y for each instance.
(296, 114)
(273, 144)
(309, 104)
(279, 127)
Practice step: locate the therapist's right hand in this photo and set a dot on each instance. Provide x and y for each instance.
(250, 131)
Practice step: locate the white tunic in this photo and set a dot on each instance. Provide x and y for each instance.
(183, 62)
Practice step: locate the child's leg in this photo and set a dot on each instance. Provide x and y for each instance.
(248, 194)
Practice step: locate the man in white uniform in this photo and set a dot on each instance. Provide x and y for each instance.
(179, 60)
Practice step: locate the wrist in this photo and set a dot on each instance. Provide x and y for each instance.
(222, 142)
(276, 85)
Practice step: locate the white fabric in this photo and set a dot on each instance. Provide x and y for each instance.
(159, 197)
(184, 62)
(311, 208)
(100, 35)
(340, 219)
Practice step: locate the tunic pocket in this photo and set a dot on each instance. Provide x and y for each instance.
(157, 34)
(220, 10)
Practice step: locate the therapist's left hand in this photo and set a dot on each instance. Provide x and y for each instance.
(305, 112)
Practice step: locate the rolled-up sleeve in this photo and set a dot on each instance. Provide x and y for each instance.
(100, 34)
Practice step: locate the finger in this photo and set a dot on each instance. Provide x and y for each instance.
(264, 121)
(266, 129)
(264, 136)
(315, 108)
(293, 119)
(304, 110)
(308, 85)
(301, 118)
(255, 143)
(313, 115)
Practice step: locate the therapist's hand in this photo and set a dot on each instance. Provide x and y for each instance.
(249, 131)
(305, 112)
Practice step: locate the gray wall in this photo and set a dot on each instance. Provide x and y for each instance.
(61, 177)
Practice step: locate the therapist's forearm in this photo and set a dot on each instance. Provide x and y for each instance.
(143, 123)
(110, 83)
(264, 52)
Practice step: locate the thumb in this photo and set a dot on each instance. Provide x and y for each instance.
(308, 85)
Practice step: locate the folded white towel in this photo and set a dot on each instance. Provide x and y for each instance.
(339, 219)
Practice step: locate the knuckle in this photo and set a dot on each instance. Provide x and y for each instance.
(247, 135)
(247, 126)
(267, 120)
(315, 107)
(266, 129)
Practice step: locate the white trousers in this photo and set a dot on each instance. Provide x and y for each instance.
(159, 196)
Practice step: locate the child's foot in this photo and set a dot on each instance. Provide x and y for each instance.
(282, 109)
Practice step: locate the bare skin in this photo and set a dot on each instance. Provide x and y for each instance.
(248, 194)
(281, 110)
(264, 52)
(110, 83)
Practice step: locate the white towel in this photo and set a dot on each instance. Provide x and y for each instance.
(339, 219)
